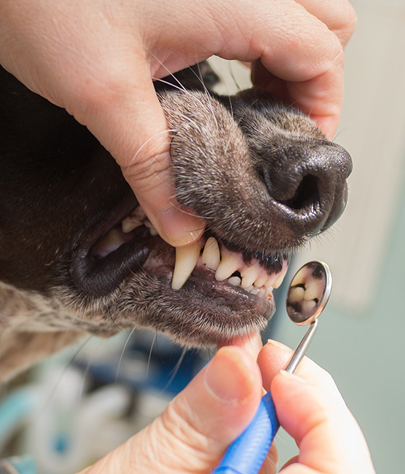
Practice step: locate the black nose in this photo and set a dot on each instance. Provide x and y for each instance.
(306, 181)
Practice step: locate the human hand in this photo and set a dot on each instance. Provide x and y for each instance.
(311, 409)
(196, 427)
(98, 59)
(193, 433)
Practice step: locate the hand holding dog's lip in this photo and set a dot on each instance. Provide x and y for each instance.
(96, 71)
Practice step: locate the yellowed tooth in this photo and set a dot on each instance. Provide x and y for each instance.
(249, 276)
(130, 223)
(229, 264)
(186, 260)
(211, 256)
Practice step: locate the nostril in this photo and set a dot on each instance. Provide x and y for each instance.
(306, 195)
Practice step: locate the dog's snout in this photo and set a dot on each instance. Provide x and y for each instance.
(307, 183)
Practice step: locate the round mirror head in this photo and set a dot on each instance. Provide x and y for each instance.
(309, 292)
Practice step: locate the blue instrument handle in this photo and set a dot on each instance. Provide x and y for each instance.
(247, 453)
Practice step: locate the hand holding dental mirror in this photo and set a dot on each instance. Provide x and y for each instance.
(307, 296)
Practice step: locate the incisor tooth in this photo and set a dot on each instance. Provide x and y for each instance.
(186, 260)
(211, 256)
(249, 276)
(229, 264)
(261, 280)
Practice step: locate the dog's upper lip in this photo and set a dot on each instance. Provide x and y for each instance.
(99, 277)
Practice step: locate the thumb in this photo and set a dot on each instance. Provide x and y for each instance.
(197, 426)
(131, 125)
(329, 439)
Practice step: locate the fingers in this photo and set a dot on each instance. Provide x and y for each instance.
(327, 435)
(197, 426)
(275, 356)
(251, 343)
(137, 136)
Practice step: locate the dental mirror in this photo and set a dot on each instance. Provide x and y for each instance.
(307, 296)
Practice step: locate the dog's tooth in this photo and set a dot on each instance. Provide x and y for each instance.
(296, 294)
(249, 275)
(152, 230)
(130, 223)
(254, 290)
(313, 291)
(229, 264)
(186, 260)
(261, 280)
(280, 277)
(111, 242)
(234, 281)
(308, 307)
(269, 283)
(211, 256)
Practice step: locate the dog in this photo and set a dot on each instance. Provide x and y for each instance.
(78, 255)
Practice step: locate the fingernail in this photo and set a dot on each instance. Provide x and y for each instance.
(277, 344)
(290, 376)
(179, 227)
(228, 378)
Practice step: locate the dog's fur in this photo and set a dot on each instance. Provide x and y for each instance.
(261, 174)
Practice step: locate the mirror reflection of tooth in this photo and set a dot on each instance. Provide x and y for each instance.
(313, 290)
(186, 260)
(211, 255)
(296, 294)
(308, 307)
(229, 264)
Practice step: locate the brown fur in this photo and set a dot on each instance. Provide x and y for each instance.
(261, 174)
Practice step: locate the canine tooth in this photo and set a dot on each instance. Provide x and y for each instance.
(249, 276)
(229, 264)
(186, 260)
(130, 223)
(211, 256)
(234, 281)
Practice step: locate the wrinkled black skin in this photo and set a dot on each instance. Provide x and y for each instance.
(60, 190)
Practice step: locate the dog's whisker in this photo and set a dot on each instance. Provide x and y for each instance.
(122, 354)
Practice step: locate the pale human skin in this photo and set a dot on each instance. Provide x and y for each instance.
(98, 59)
(197, 426)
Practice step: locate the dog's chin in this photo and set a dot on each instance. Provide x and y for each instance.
(200, 294)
